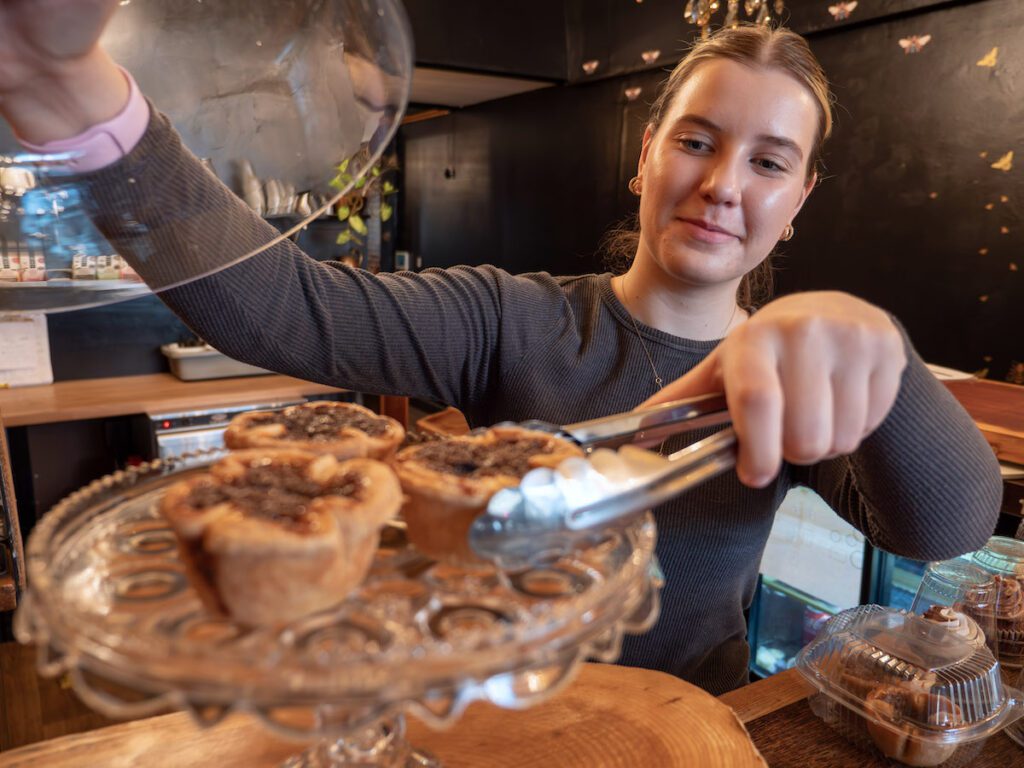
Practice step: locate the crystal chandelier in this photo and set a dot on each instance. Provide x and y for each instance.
(699, 12)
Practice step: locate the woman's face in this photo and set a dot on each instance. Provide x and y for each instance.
(726, 171)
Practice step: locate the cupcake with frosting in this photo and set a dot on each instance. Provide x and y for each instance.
(959, 623)
(1006, 612)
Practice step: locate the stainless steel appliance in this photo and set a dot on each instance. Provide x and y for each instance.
(187, 431)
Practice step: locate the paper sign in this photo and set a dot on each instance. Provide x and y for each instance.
(24, 350)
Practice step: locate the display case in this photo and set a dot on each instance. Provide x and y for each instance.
(813, 567)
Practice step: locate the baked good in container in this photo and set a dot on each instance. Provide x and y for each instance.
(958, 623)
(1006, 612)
(271, 536)
(448, 483)
(894, 682)
(894, 709)
(345, 430)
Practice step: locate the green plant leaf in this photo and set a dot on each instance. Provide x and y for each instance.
(343, 165)
(343, 238)
(356, 222)
(388, 188)
(360, 182)
(385, 211)
(343, 212)
(375, 171)
(337, 183)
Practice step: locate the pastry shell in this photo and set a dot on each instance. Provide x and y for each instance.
(261, 571)
(441, 505)
(246, 431)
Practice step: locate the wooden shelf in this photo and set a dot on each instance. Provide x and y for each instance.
(154, 393)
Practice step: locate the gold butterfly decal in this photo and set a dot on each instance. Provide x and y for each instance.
(841, 11)
(989, 59)
(1004, 163)
(914, 43)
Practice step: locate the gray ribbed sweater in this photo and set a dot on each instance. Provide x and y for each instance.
(514, 347)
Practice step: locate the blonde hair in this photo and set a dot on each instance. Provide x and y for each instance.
(752, 46)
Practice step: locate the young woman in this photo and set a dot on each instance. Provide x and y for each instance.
(824, 389)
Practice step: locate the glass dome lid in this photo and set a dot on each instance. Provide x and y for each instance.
(289, 103)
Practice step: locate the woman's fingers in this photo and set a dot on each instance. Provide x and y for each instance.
(808, 403)
(755, 397)
(850, 396)
(883, 387)
(807, 379)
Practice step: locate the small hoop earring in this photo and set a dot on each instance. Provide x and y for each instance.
(635, 185)
(787, 233)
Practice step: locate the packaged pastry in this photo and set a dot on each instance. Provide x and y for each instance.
(33, 267)
(106, 268)
(125, 270)
(909, 687)
(960, 596)
(83, 267)
(10, 262)
(1002, 559)
(956, 622)
(271, 536)
(448, 483)
(1007, 612)
(344, 430)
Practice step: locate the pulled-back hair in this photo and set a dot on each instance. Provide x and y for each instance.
(752, 46)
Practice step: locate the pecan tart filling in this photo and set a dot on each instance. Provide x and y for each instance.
(270, 536)
(343, 429)
(448, 483)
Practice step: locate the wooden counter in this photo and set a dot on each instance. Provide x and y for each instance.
(153, 393)
(998, 410)
(560, 733)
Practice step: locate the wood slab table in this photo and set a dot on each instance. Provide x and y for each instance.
(609, 717)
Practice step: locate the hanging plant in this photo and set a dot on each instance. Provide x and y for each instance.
(350, 209)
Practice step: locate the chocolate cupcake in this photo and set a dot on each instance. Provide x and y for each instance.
(1007, 614)
(958, 623)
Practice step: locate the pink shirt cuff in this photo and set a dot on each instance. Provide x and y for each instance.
(106, 143)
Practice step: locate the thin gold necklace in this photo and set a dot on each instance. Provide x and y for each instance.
(658, 381)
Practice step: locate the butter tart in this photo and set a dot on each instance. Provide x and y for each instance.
(270, 536)
(344, 430)
(447, 483)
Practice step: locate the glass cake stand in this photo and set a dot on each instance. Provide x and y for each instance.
(109, 605)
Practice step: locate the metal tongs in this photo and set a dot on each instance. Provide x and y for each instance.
(553, 510)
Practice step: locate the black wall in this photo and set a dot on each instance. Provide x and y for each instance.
(535, 180)
(900, 217)
(616, 33)
(526, 37)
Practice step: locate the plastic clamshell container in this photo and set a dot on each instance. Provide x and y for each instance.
(906, 687)
(199, 363)
(1001, 555)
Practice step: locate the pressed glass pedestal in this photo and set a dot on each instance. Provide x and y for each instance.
(110, 605)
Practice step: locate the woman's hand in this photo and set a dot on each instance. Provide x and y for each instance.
(55, 81)
(807, 378)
